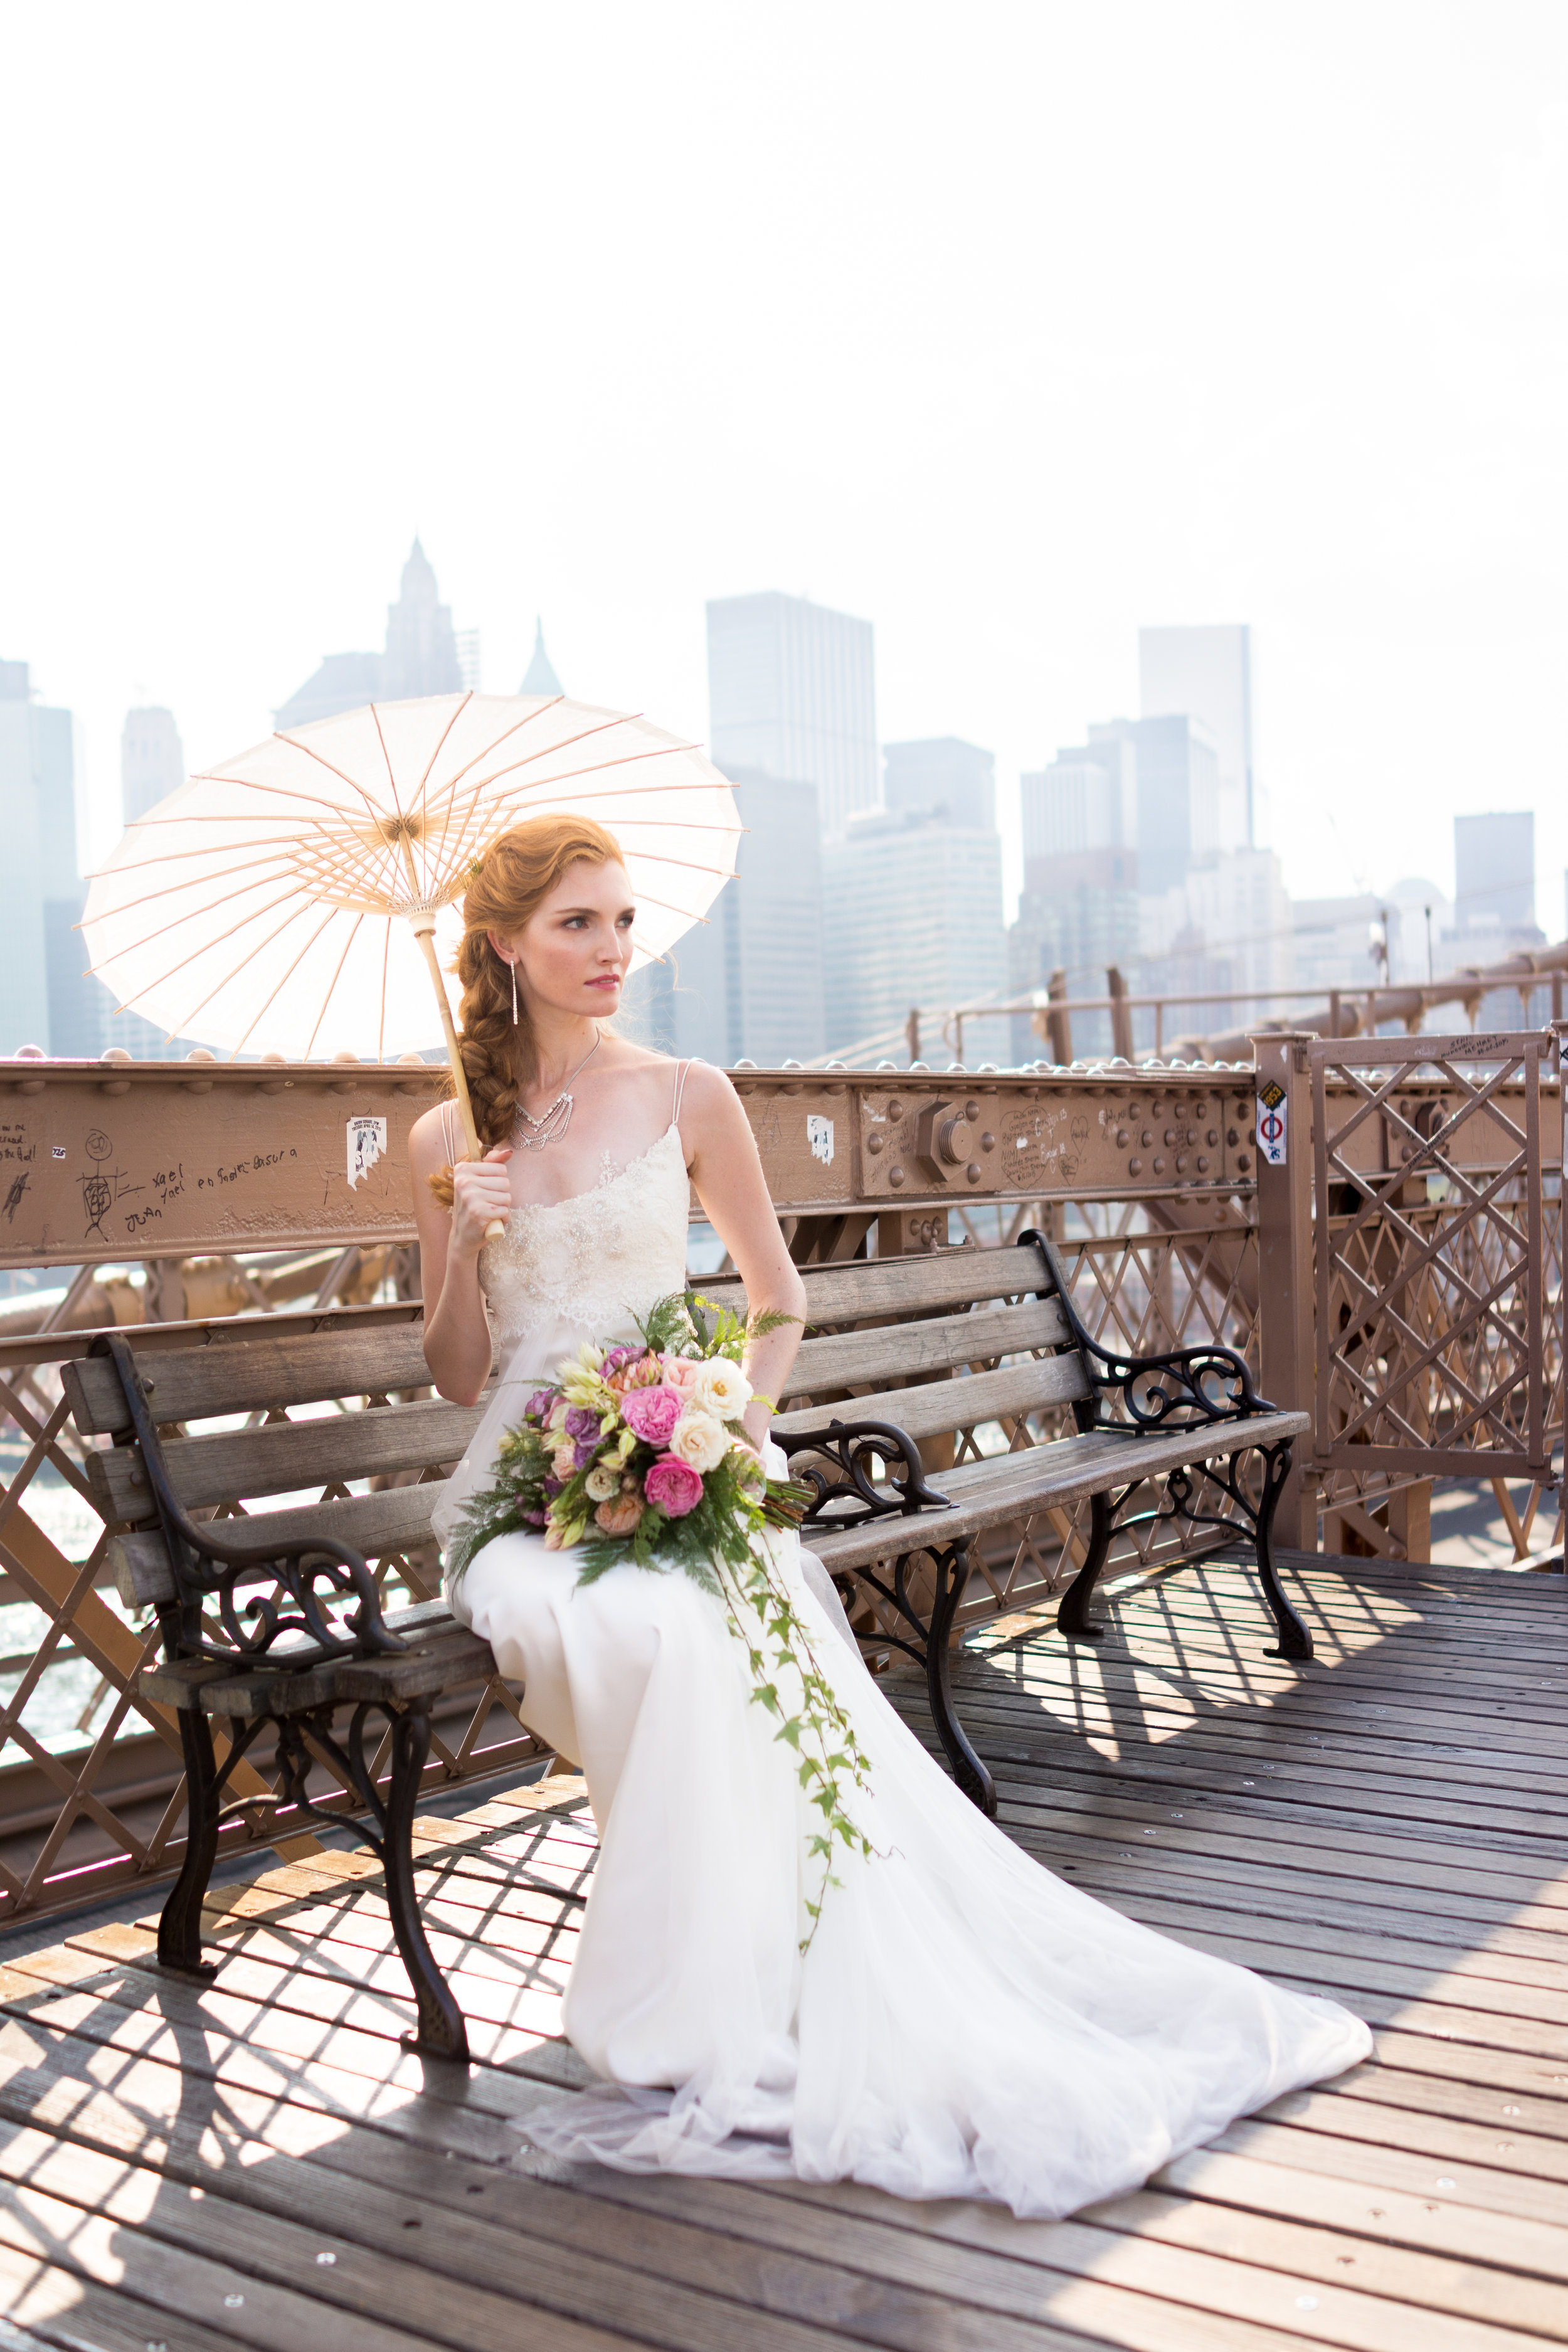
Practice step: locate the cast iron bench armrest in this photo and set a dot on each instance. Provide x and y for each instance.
(855, 1448)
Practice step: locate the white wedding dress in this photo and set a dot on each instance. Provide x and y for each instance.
(963, 2024)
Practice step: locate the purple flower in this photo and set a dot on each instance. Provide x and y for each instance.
(672, 1486)
(537, 1408)
(585, 1448)
(536, 1519)
(618, 1358)
(582, 1422)
(651, 1413)
(553, 1486)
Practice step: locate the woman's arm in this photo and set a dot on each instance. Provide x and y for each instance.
(728, 1174)
(457, 1328)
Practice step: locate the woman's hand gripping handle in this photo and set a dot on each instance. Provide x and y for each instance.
(482, 1200)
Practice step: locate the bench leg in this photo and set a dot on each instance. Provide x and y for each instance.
(441, 2031)
(951, 1575)
(1072, 1617)
(180, 1927)
(1295, 1641)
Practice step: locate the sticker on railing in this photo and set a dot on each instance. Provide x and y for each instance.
(819, 1135)
(367, 1141)
(1273, 1108)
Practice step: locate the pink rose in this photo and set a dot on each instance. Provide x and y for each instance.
(673, 1487)
(680, 1373)
(651, 1414)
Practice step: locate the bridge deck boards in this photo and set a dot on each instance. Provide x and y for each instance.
(259, 2162)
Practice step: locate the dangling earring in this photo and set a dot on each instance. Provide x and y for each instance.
(511, 966)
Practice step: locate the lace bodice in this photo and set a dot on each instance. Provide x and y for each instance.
(566, 1271)
(594, 1260)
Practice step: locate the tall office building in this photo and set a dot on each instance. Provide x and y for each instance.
(421, 657)
(152, 761)
(421, 644)
(1207, 674)
(912, 916)
(1494, 866)
(1078, 910)
(791, 694)
(151, 765)
(1080, 818)
(1226, 926)
(48, 1000)
(1178, 793)
(941, 774)
(747, 985)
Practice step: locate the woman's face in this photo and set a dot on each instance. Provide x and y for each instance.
(574, 951)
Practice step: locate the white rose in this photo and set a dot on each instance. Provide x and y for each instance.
(700, 1441)
(602, 1481)
(723, 1388)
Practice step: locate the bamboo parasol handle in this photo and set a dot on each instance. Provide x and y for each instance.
(423, 924)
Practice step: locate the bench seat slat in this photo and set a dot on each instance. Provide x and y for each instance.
(942, 1406)
(987, 1494)
(936, 1344)
(245, 1462)
(444, 1658)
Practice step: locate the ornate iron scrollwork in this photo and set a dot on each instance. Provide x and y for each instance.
(849, 1492)
(1186, 1390)
(857, 1451)
(205, 1569)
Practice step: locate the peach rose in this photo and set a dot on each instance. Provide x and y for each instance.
(620, 1517)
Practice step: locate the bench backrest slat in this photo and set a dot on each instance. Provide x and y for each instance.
(902, 1286)
(879, 1355)
(194, 1383)
(925, 1412)
(394, 1518)
(277, 1461)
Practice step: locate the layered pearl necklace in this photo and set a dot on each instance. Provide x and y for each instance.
(553, 1122)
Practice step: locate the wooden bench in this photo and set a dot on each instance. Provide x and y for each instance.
(273, 1619)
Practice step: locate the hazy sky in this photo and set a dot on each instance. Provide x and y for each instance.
(1010, 327)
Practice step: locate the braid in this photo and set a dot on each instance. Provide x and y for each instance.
(516, 874)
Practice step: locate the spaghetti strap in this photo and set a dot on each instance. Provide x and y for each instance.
(682, 1072)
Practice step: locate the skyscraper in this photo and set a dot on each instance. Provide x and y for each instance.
(152, 761)
(1178, 793)
(48, 1000)
(1078, 910)
(1207, 674)
(421, 657)
(151, 765)
(912, 916)
(421, 648)
(792, 693)
(1494, 866)
(747, 985)
(941, 772)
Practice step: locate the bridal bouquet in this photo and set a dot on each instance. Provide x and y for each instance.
(638, 1453)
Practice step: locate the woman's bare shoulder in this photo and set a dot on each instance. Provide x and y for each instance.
(429, 1137)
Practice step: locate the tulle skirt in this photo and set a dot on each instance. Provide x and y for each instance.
(963, 2024)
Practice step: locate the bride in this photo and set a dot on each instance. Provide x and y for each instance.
(961, 2023)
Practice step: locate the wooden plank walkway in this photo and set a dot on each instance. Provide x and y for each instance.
(260, 2163)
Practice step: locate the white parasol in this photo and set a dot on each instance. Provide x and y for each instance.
(303, 899)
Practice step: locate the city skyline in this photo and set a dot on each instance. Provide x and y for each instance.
(930, 386)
